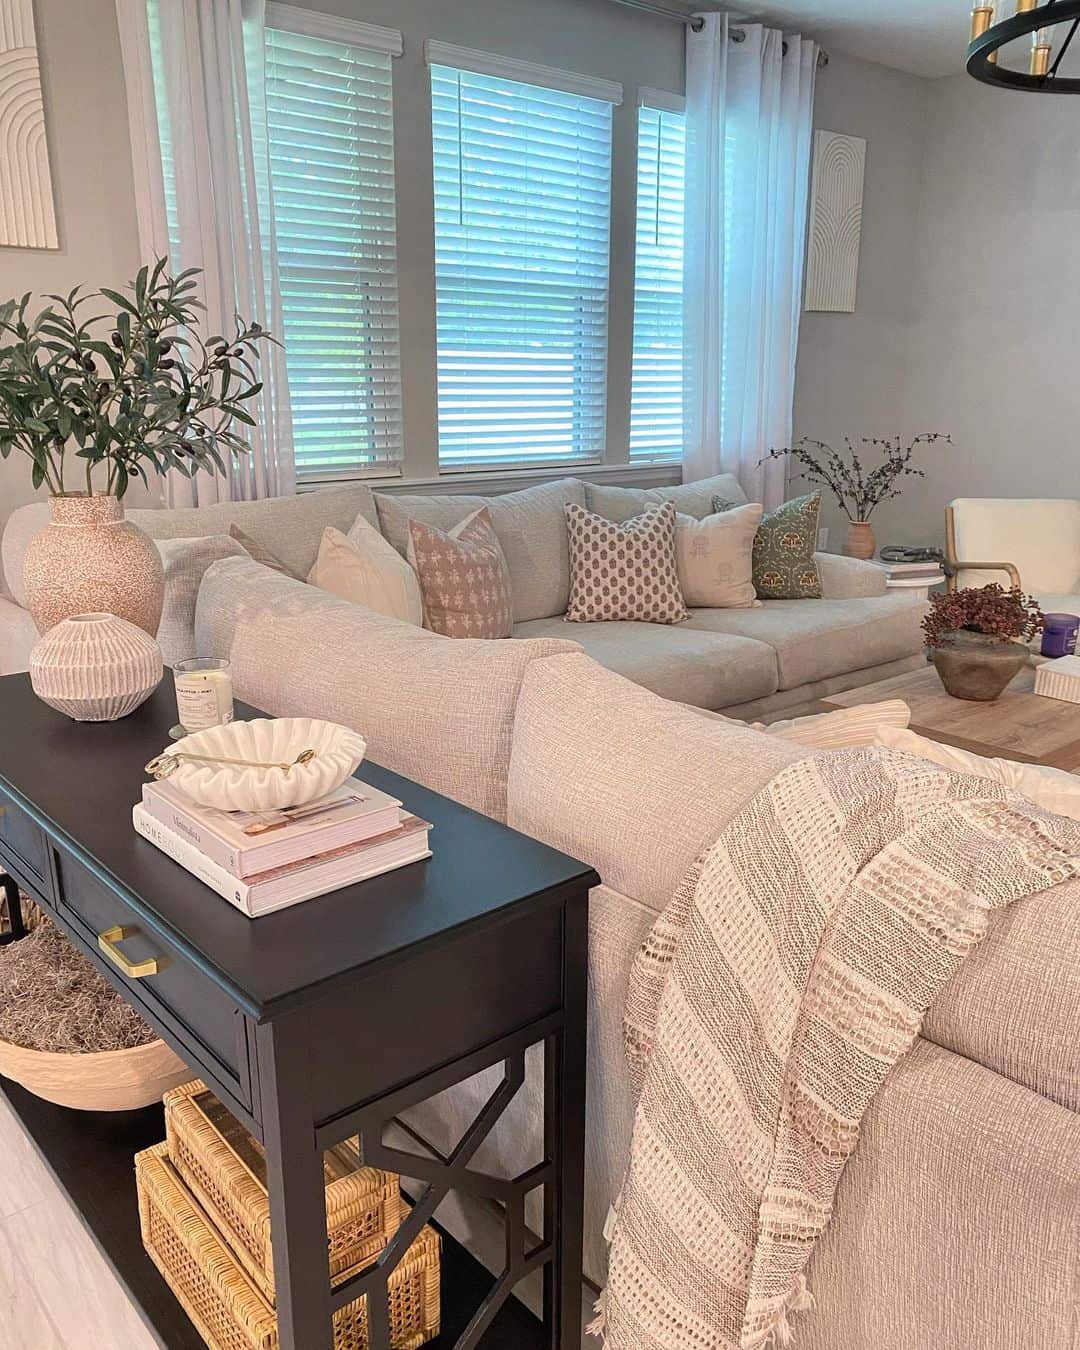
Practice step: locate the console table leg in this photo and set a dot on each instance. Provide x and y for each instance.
(564, 1112)
(16, 927)
(294, 1169)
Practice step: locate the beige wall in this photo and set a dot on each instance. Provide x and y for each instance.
(851, 367)
(86, 118)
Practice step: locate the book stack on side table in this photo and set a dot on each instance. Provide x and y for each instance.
(267, 861)
(913, 577)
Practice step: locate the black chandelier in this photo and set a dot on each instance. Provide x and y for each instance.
(1052, 27)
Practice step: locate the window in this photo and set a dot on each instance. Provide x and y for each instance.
(522, 220)
(656, 399)
(330, 113)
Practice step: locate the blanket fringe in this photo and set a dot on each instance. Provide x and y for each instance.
(598, 1325)
(799, 1299)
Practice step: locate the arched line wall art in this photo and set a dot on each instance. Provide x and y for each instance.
(27, 213)
(836, 193)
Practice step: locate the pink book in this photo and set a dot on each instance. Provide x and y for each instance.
(245, 843)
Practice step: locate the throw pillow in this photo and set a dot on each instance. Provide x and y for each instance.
(1052, 789)
(185, 561)
(625, 571)
(784, 567)
(261, 554)
(364, 568)
(464, 578)
(714, 557)
(834, 730)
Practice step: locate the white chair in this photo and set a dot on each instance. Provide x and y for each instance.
(1036, 540)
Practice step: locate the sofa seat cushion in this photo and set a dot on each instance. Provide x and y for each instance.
(692, 499)
(709, 670)
(288, 527)
(817, 639)
(531, 527)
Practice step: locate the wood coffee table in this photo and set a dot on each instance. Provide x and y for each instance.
(1019, 725)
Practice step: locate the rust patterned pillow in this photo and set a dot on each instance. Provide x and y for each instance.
(463, 578)
(623, 571)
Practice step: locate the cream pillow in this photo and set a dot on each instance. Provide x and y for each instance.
(832, 730)
(1052, 789)
(714, 558)
(364, 568)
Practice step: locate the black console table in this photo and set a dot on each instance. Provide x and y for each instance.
(328, 1019)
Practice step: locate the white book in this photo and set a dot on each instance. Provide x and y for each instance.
(289, 885)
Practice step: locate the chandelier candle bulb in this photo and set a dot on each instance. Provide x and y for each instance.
(982, 16)
(1042, 41)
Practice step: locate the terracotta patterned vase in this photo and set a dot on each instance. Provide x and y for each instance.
(95, 667)
(860, 540)
(90, 559)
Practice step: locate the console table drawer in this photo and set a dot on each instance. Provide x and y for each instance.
(23, 841)
(180, 995)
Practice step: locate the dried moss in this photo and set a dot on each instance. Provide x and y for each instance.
(52, 998)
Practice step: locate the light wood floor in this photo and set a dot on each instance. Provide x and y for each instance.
(57, 1292)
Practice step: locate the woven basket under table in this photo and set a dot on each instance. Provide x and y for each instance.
(226, 1308)
(224, 1167)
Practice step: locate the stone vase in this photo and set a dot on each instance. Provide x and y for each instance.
(89, 559)
(95, 667)
(977, 667)
(860, 542)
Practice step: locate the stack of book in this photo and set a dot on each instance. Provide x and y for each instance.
(916, 576)
(267, 861)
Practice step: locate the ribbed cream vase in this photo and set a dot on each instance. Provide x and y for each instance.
(89, 559)
(95, 667)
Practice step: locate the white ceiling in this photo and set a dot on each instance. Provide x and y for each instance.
(924, 37)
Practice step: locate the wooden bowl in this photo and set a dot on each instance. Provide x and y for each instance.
(109, 1080)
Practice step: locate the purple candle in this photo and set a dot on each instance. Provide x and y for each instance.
(1059, 634)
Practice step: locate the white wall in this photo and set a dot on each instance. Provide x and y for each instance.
(851, 367)
(86, 120)
(994, 344)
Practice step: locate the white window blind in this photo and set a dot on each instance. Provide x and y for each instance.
(656, 398)
(330, 109)
(522, 221)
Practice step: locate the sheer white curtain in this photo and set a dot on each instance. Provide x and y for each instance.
(749, 113)
(194, 71)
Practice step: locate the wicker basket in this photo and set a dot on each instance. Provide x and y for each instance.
(228, 1311)
(225, 1170)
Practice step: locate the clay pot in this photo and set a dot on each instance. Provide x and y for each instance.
(89, 559)
(976, 667)
(95, 667)
(860, 541)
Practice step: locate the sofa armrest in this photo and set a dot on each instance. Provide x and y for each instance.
(844, 578)
(18, 633)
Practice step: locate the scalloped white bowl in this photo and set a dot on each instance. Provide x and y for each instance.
(276, 740)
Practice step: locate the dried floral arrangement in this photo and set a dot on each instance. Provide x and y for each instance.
(858, 489)
(1008, 616)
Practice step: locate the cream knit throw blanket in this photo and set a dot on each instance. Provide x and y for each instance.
(787, 976)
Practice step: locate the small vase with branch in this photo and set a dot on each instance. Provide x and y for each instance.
(858, 488)
(95, 400)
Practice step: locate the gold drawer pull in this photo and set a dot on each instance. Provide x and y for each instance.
(134, 970)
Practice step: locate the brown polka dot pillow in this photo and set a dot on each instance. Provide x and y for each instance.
(464, 579)
(623, 571)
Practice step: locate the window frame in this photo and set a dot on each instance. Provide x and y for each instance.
(469, 61)
(659, 101)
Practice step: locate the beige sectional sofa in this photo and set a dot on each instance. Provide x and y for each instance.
(746, 661)
(955, 1224)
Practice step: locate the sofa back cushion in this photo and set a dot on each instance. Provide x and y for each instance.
(531, 527)
(692, 499)
(288, 527)
(633, 784)
(440, 710)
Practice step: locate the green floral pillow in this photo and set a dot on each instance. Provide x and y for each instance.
(784, 567)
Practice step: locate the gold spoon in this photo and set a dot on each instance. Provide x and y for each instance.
(163, 765)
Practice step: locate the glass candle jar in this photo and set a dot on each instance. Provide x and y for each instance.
(1059, 634)
(204, 696)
